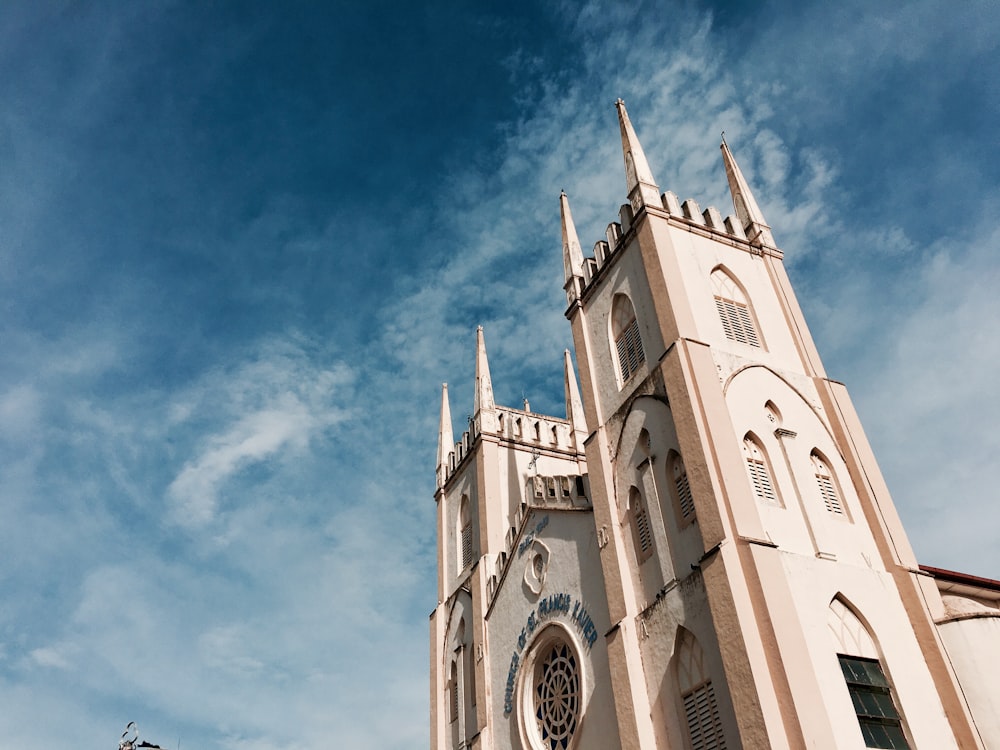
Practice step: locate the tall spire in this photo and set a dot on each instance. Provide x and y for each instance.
(446, 439)
(572, 254)
(642, 187)
(747, 210)
(574, 406)
(484, 385)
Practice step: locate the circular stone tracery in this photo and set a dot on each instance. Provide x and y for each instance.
(557, 695)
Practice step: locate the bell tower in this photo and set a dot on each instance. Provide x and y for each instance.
(518, 588)
(745, 516)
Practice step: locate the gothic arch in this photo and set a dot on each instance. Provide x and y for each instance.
(828, 483)
(868, 683)
(852, 634)
(645, 441)
(760, 470)
(699, 703)
(460, 665)
(625, 341)
(773, 400)
(735, 308)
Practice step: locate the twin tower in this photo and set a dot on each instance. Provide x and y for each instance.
(703, 553)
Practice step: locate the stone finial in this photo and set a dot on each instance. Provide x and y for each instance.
(747, 211)
(484, 385)
(446, 438)
(639, 180)
(572, 253)
(574, 405)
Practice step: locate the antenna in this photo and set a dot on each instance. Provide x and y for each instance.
(126, 742)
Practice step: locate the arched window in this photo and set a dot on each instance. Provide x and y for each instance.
(760, 472)
(625, 331)
(871, 694)
(734, 310)
(685, 502)
(641, 529)
(553, 699)
(701, 709)
(465, 533)
(827, 489)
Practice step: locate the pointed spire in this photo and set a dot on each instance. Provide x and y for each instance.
(747, 210)
(574, 406)
(642, 187)
(484, 385)
(572, 254)
(446, 439)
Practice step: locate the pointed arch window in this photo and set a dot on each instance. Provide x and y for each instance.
(759, 471)
(642, 531)
(465, 534)
(871, 694)
(827, 488)
(685, 502)
(625, 331)
(701, 708)
(734, 309)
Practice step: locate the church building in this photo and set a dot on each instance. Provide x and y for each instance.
(702, 554)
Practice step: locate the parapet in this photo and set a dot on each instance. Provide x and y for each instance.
(688, 213)
(517, 427)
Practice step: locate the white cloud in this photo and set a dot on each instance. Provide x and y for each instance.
(253, 439)
(50, 657)
(255, 413)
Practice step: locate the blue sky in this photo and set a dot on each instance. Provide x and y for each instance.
(241, 246)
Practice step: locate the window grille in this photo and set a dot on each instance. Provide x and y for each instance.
(827, 490)
(466, 549)
(684, 499)
(453, 694)
(701, 710)
(557, 696)
(641, 527)
(871, 695)
(628, 343)
(466, 546)
(760, 474)
(734, 310)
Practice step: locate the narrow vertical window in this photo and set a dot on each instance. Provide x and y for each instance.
(641, 529)
(734, 309)
(466, 534)
(827, 489)
(453, 694)
(471, 681)
(685, 502)
(625, 330)
(871, 693)
(759, 471)
(701, 708)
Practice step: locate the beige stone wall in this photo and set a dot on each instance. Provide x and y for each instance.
(972, 637)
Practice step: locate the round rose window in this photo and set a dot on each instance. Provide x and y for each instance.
(556, 695)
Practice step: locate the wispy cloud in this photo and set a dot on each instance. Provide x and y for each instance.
(217, 457)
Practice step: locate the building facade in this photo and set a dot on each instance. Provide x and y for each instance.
(703, 552)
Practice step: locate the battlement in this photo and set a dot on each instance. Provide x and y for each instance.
(535, 430)
(517, 427)
(688, 213)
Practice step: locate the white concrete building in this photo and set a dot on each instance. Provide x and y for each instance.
(703, 553)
